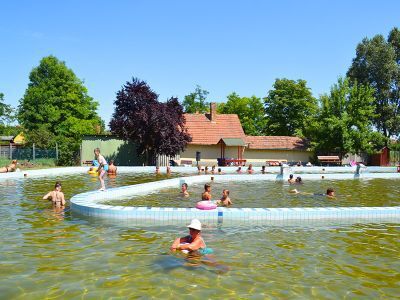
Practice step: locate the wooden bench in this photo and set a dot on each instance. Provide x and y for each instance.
(232, 162)
(275, 162)
(333, 159)
(87, 162)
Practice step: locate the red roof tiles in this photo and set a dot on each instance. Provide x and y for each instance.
(205, 132)
(276, 142)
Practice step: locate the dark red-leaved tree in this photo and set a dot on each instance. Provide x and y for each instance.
(155, 127)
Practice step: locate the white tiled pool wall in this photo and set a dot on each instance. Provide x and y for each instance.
(91, 204)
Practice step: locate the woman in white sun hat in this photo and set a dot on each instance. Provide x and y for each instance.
(192, 242)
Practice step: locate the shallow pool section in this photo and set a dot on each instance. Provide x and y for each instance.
(91, 204)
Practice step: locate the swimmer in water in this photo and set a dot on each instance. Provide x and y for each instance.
(225, 200)
(168, 171)
(206, 170)
(207, 192)
(112, 169)
(220, 171)
(330, 193)
(213, 170)
(157, 170)
(56, 196)
(291, 180)
(239, 170)
(184, 191)
(193, 241)
(263, 170)
(250, 169)
(198, 170)
(299, 180)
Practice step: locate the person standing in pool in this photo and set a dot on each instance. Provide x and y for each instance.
(291, 180)
(193, 241)
(184, 191)
(103, 167)
(112, 169)
(56, 196)
(207, 192)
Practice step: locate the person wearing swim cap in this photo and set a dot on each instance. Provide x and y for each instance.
(193, 241)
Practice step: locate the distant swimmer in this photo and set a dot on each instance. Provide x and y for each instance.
(250, 169)
(291, 180)
(330, 193)
(239, 170)
(56, 196)
(207, 192)
(184, 191)
(225, 200)
(263, 170)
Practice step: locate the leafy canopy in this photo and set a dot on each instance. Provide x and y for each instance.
(344, 124)
(56, 104)
(196, 101)
(155, 127)
(289, 107)
(377, 63)
(249, 110)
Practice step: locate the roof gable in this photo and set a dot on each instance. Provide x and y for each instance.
(206, 132)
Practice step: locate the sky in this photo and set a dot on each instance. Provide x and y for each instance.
(223, 46)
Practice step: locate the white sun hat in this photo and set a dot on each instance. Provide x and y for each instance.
(195, 224)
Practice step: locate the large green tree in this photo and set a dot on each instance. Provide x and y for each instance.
(344, 124)
(289, 107)
(6, 111)
(377, 63)
(56, 104)
(196, 101)
(250, 111)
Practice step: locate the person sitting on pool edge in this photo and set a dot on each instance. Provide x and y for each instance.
(207, 192)
(56, 196)
(184, 191)
(10, 168)
(225, 200)
(112, 169)
(193, 241)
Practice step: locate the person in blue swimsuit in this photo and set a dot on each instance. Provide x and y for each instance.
(193, 241)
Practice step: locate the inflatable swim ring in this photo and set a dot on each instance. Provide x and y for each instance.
(93, 171)
(206, 205)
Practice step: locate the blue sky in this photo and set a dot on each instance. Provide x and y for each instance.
(223, 46)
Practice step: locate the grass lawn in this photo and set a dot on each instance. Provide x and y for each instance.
(41, 163)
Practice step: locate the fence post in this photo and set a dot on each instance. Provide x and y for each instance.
(10, 151)
(33, 151)
(56, 151)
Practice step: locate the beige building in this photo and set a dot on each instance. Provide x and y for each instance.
(221, 136)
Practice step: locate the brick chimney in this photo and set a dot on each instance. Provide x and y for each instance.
(213, 112)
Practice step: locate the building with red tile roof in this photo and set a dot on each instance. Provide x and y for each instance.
(222, 136)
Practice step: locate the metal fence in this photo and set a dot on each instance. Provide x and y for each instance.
(27, 153)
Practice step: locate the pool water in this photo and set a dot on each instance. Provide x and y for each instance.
(55, 255)
(366, 192)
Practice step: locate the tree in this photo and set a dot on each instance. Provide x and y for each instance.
(249, 110)
(345, 120)
(155, 127)
(57, 103)
(196, 101)
(6, 112)
(377, 63)
(289, 107)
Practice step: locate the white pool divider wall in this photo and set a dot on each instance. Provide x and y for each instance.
(90, 204)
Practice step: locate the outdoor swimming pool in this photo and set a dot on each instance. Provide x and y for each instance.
(64, 255)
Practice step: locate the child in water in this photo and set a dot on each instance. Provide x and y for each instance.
(56, 196)
(207, 192)
(225, 200)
